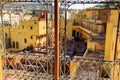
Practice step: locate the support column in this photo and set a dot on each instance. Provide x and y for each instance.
(56, 23)
(2, 49)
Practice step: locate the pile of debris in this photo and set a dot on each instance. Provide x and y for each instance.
(76, 48)
(24, 75)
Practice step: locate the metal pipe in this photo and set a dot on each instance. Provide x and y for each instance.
(4, 46)
(10, 25)
(2, 40)
(47, 28)
(65, 29)
(65, 39)
(47, 34)
(56, 23)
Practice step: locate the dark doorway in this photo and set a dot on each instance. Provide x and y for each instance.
(77, 34)
(73, 33)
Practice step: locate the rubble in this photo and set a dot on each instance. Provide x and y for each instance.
(24, 75)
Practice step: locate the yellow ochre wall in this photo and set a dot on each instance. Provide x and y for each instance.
(110, 44)
(111, 36)
(69, 29)
(95, 46)
(18, 34)
(87, 14)
(73, 66)
(69, 26)
(118, 47)
(26, 30)
(42, 31)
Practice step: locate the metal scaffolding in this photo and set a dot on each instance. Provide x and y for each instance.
(29, 66)
(96, 70)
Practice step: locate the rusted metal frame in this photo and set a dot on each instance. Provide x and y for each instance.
(56, 24)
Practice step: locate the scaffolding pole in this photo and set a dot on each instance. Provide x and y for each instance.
(56, 59)
(2, 40)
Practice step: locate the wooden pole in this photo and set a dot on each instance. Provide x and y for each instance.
(56, 23)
